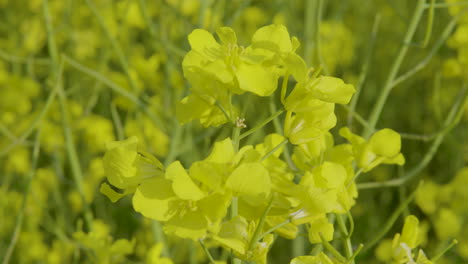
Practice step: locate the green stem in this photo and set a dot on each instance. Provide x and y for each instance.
(331, 249)
(313, 17)
(298, 244)
(158, 44)
(257, 233)
(446, 5)
(284, 88)
(363, 75)
(51, 45)
(115, 45)
(159, 236)
(354, 178)
(192, 253)
(430, 24)
(351, 223)
(284, 142)
(174, 144)
(228, 117)
(116, 88)
(310, 7)
(450, 122)
(378, 106)
(318, 21)
(316, 250)
(353, 114)
(7, 133)
(117, 122)
(20, 217)
(358, 250)
(234, 207)
(274, 228)
(17, 59)
(234, 213)
(70, 147)
(204, 5)
(262, 124)
(235, 201)
(279, 130)
(71, 151)
(236, 138)
(441, 253)
(347, 240)
(34, 124)
(239, 11)
(439, 43)
(390, 222)
(208, 254)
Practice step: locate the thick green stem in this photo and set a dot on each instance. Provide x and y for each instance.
(279, 130)
(234, 202)
(313, 17)
(331, 249)
(207, 252)
(298, 244)
(284, 88)
(174, 144)
(378, 107)
(234, 212)
(258, 231)
(347, 240)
